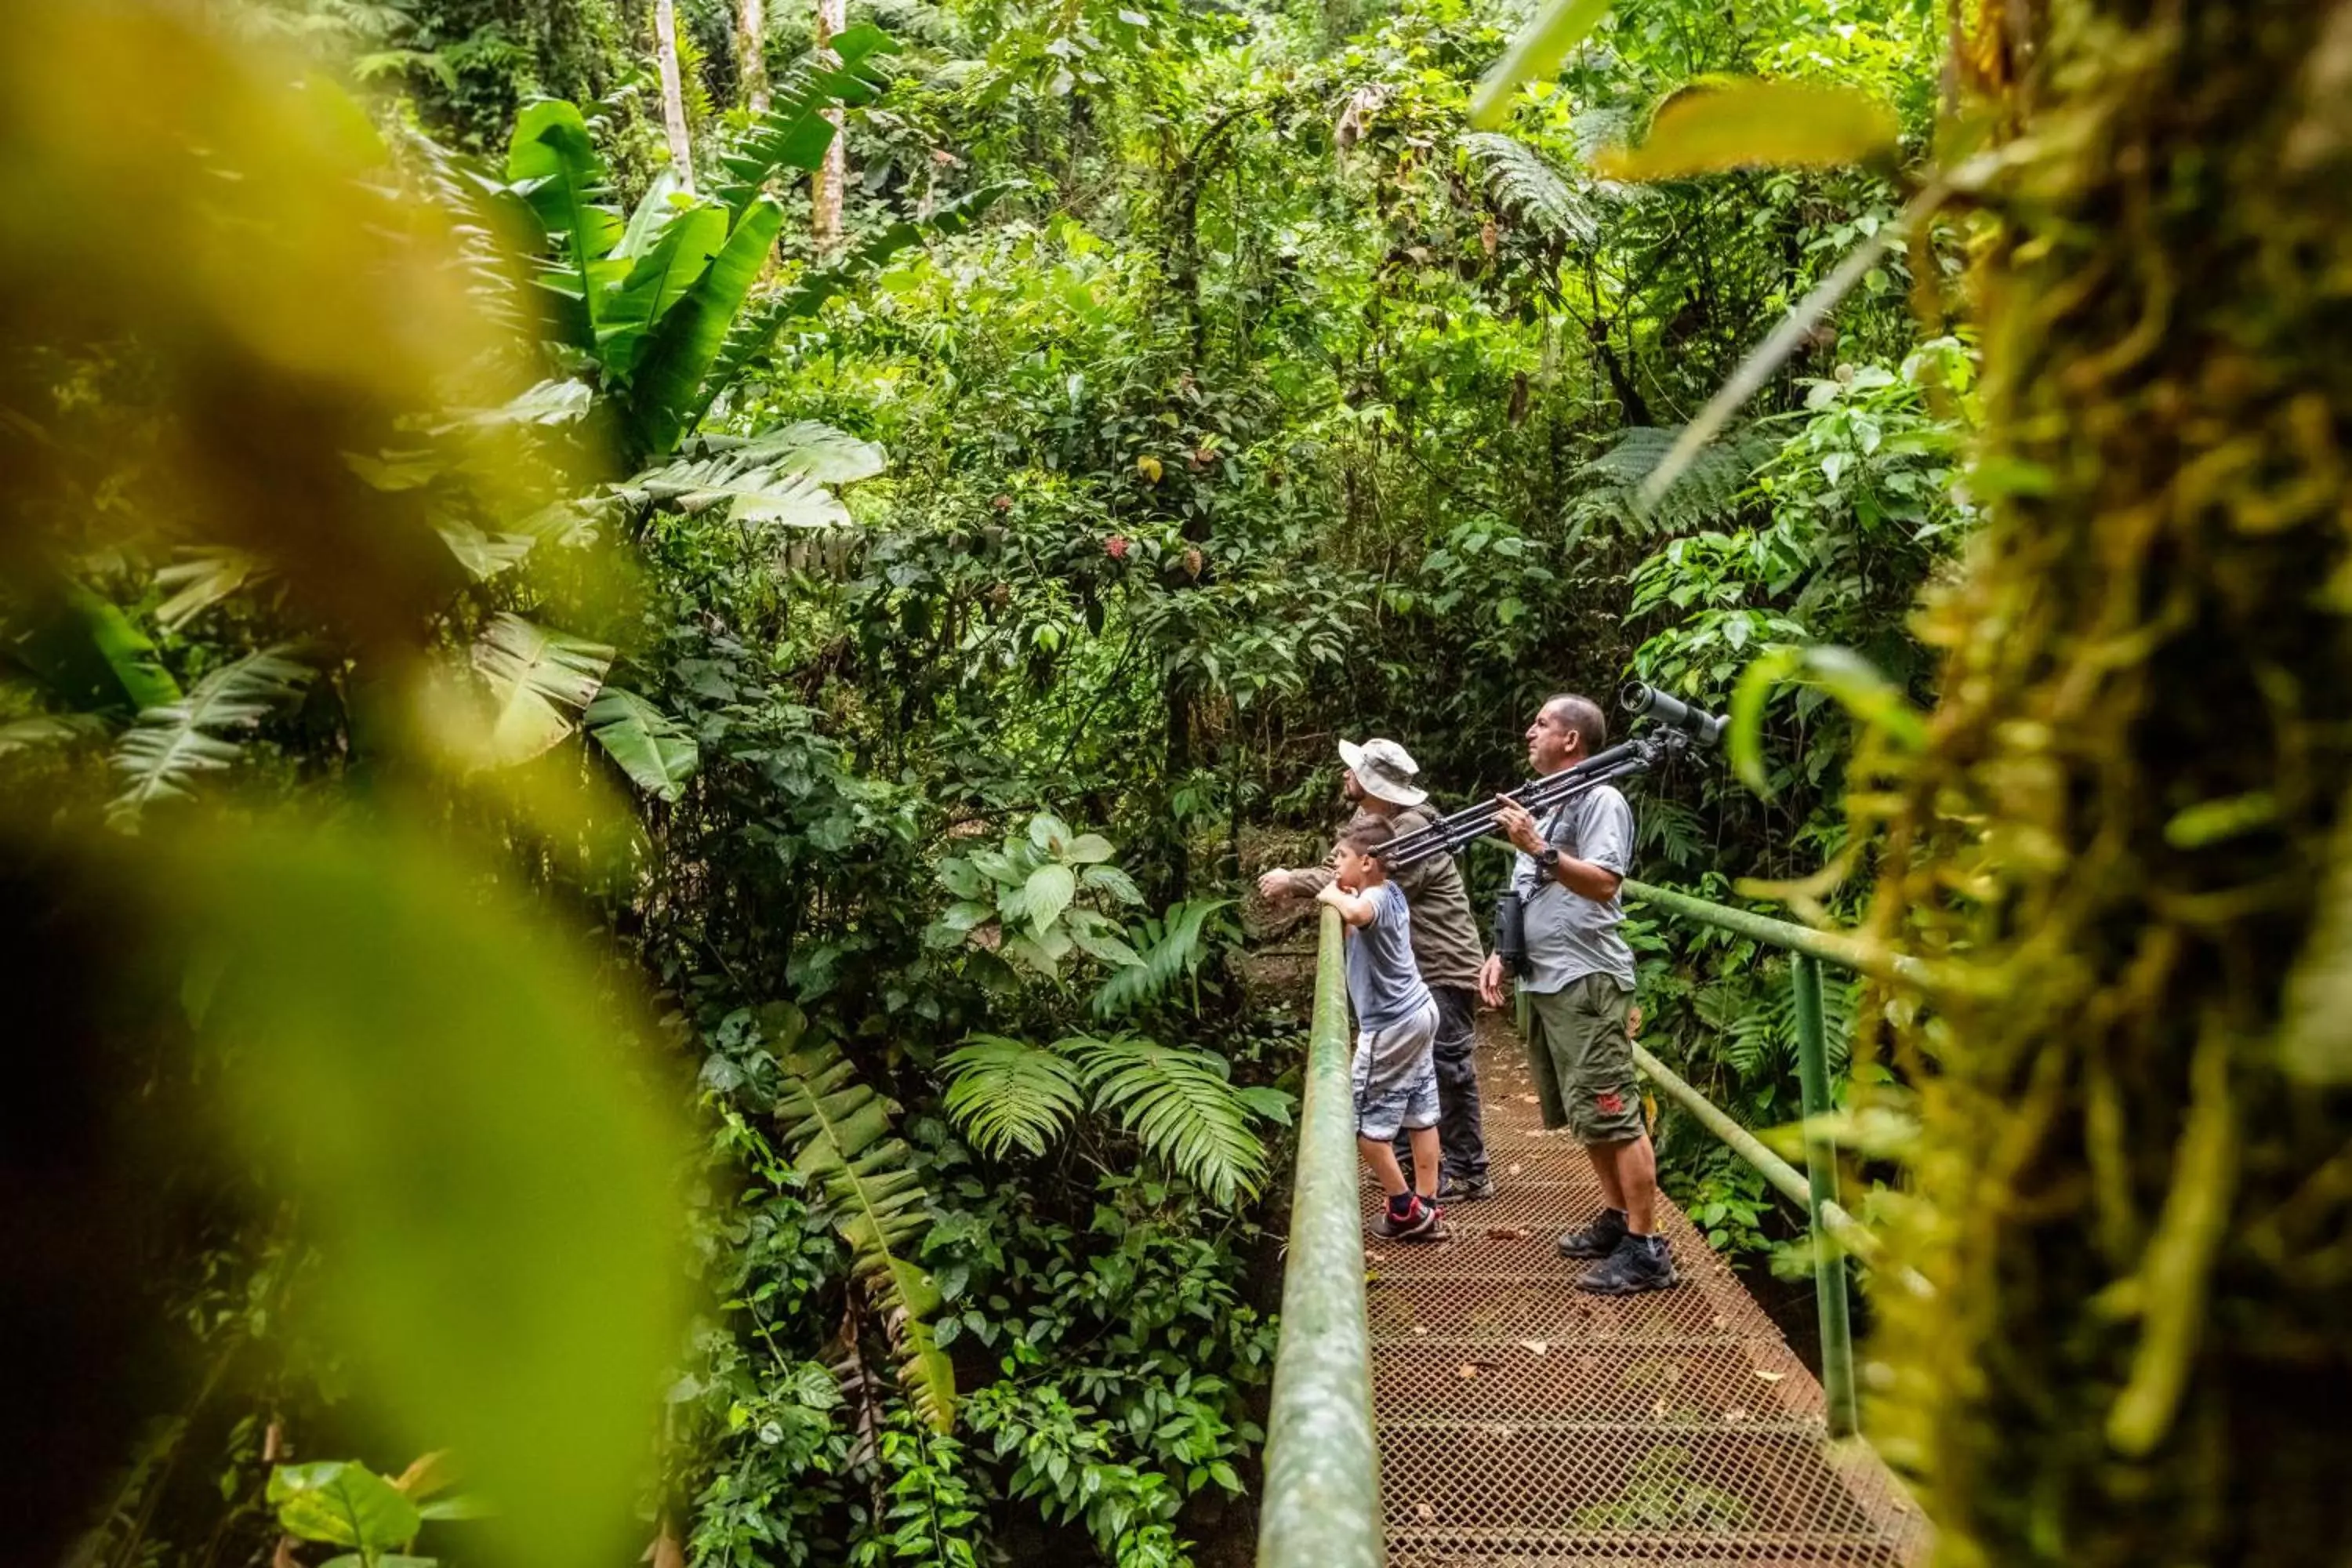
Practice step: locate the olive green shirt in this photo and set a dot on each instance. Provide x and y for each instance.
(1445, 945)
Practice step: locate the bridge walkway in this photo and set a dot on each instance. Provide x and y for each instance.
(1520, 1421)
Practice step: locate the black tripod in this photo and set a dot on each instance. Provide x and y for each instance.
(1681, 724)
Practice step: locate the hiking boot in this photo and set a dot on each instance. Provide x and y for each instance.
(1419, 1222)
(1597, 1239)
(1639, 1263)
(1465, 1189)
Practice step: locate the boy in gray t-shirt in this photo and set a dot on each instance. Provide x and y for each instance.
(1395, 1071)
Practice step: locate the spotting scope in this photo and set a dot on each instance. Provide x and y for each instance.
(1675, 724)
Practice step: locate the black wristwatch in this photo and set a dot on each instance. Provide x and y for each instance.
(1548, 862)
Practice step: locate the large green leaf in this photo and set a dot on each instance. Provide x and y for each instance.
(88, 654)
(1007, 1094)
(1048, 891)
(657, 753)
(656, 281)
(794, 132)
(663, 400)
(553, 163)
(159, 757)
(538, 680)
(342, 1503)
(840, 1135)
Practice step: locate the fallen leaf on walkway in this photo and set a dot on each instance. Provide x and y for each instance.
(1539, 1346)
(1471, 1369)
(1528, 1099)
(1424, 1511)
(1516, 1168)
(1734, 1414)
(1771, 1376)
(1508, 1233)
(1420, 1328)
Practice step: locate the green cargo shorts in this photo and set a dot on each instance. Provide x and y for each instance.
(1582, 1057)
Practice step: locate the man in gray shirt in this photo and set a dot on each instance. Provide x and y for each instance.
(1580, 989)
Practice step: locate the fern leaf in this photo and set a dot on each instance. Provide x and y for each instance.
(161, 755)
(1181, 1106)
(1529, 189)
(1171, 947)
(1005, 1094)
(841, 1134)
(1708, 492)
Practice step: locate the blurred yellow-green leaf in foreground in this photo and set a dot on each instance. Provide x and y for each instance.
(1712, 126)
(442, 1079)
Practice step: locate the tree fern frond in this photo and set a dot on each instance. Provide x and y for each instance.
(1006, 1094)
(1529, 189)
(1708, 492)
(1172, 948)
(841, 1136)
(161, 755)
(1181, 1105)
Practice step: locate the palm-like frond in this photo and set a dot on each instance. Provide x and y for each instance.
(539, 680)
(1172, 948)
(161, 755)
(203, 577)
(779, 477)
(1007, 1094)
(1529, 189)
(756, 328)
(794, 132)
(1183, 1106)
(842, 1138)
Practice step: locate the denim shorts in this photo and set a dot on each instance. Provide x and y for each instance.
(1395, 1076)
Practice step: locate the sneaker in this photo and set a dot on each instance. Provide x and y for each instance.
(1464, 1190)
(1597, 1239)
(1420, 1222)
(1639, 1263)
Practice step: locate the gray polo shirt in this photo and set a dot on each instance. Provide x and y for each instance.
(1569, 936)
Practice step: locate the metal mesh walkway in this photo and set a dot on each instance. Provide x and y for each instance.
(1521, 1421)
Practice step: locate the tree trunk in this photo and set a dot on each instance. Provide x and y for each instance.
(681, 150)
(751, 53)
(2126, 841)
(825, 184)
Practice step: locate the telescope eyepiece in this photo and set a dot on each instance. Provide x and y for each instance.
(1639, 697)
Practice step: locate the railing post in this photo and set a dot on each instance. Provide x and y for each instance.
(1321, 1508)
(1821, 1173)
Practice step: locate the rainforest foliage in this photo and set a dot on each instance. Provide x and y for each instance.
(528, 689)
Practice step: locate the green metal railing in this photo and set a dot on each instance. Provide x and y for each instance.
(1817, 1190)
(1320, 1505)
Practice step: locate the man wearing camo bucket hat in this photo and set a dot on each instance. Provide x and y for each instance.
(1446, 949)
